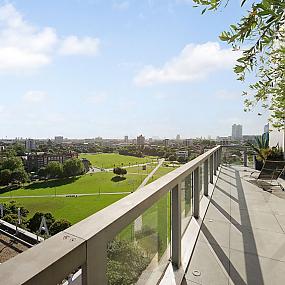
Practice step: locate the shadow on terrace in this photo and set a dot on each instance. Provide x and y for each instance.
(242, 238)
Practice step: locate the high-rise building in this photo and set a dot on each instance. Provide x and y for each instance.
(178, 137)
(140, 140)
(126, 139)
(58, 139)
(166, 142)
(30, 144)
(188, 142)
(236, 132)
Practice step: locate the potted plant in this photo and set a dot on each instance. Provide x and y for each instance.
(261, 149)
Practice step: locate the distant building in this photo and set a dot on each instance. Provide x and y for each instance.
(141, 140)
(224, 140)
(178, 137)
(126, 139)
(182, 153)
(166, 142)
(58, 139)
(188, 142)
(236, 132)
(249, 138)
(150, 140)
(30, 144)
(41, 159)
(2, 147)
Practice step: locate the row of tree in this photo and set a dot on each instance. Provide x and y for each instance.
(12, 171)
(71, 167)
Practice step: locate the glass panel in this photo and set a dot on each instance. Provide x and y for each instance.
(141, 252)
(186, 201)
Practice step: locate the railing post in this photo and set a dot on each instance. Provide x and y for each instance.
(220, 156)
(211, 169)
(196, 194)
(217, 159)
(215, 163)
(206, 177)
(95, 268)
(176, 225)
(245, 158)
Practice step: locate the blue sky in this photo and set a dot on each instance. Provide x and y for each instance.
(87, 68)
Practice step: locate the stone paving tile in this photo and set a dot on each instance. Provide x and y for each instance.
(215, 232)
(215, 213)
(212, 262)
(256, 219)
(262, 242)
(281, 221)
(246, 268)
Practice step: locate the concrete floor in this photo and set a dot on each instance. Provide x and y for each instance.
(242, 238)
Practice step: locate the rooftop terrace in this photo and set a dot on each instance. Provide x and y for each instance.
(203, 223)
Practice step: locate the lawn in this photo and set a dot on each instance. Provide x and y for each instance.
(73, 209)
(108, 160)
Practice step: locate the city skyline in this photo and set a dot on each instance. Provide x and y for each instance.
(109, 77)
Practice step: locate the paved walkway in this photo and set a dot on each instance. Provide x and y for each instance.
(242, 238)
(151, 173)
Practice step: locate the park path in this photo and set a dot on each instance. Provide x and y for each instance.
(94, 169)
(152, 173)
(66, 195)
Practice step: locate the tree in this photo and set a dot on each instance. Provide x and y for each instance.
(73, 167)
(34, 223)
(54, 170)
(261, 36)
(59, 226)
(5, 176)
(119, 171)
(12, 163)
(19, 175)
(42, 172)
(125, 262)
(172, 157)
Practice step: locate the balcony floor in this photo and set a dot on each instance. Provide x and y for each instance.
(242, 238)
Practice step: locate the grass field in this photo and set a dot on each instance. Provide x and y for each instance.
(89, 183)
(108, 160)
(75, 209)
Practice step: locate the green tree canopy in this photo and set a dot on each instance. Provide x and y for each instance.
(5, 176)
(73, 167)
(54, 169)
(34, 222)
(260, 36)
(12, 163)
(19, 175)
(59, 226)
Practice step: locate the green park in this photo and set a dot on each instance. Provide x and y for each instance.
(76, 198)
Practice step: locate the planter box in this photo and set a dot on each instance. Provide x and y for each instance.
(258, 164)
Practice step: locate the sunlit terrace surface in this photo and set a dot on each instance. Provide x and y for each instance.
(242, 237)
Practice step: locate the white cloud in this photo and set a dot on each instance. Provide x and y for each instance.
(195, 62)
(35, 96)
(73, 45)
(25, 47)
